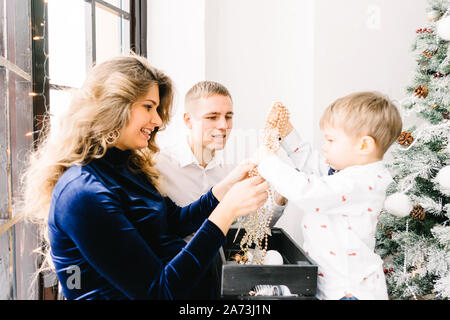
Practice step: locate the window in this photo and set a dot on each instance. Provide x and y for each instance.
(46, 46)
(94, 31)
(16, 120)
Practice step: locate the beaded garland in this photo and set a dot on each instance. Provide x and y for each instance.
(257, 224)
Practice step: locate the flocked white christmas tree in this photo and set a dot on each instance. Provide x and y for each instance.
(413, 234)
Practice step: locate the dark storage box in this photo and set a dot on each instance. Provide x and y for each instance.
(298, 272)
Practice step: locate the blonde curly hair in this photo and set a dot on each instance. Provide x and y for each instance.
(101, 106)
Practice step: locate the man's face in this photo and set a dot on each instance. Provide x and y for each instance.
(210, 121)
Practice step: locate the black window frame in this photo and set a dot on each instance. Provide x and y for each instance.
(41, 84)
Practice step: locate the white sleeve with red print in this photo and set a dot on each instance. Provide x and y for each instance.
(350, 189)
(302, 155)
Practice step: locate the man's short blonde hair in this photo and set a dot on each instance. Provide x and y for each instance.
(205, 89)
(365, 114)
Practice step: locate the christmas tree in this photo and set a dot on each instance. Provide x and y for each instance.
(413, 233)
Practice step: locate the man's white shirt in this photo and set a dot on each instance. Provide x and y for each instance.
(184, 180)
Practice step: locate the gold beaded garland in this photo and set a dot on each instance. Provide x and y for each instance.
(257, 225)
(275, 128)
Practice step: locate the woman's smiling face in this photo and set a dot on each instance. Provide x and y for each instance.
(144, 118)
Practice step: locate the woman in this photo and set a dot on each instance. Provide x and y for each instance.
(102, 200)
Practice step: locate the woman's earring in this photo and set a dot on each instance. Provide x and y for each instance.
(112, 136)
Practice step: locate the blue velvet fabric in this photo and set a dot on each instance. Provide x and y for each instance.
(113, 226)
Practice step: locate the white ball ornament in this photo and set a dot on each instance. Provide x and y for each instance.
(443, 28)
(273, 258)
(443, 179)
(398, 204)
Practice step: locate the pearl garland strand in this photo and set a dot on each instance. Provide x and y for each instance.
(257, 224)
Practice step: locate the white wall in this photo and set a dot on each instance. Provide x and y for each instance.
(364, 45)
(254, 47)
(176, 45)
(304, 53)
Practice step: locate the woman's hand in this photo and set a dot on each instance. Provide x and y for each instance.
(243, 198)
(237, 174)
(247, 196)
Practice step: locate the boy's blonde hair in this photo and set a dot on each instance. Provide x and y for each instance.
(205, 89)
(365, 114)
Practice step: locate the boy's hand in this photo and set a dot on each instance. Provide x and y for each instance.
(279, 199)
(278, 118)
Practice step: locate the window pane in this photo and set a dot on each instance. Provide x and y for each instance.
(59, 103)
(112, 35)
(67, 42)
(121, 4)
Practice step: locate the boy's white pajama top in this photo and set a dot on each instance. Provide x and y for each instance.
(340, 216)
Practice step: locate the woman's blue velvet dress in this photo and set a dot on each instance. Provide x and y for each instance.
(125, 238)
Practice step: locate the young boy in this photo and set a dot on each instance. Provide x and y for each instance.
(341, 210)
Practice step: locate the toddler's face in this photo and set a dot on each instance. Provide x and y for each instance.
(340, 150)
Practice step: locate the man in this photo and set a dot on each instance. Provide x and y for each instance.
(195, 163)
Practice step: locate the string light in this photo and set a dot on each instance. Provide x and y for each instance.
(46, 77)
(30, 133)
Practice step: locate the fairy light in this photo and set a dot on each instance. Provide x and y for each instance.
(30, 133)
(42, 94)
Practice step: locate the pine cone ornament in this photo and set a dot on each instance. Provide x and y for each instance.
(429, 53)
(446, 115)
(388, 233)
(418, 212)
(405, 139)
(421, 91)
